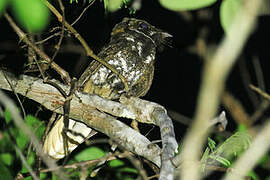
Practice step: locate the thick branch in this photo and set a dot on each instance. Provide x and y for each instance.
(89, 108)
(169, 144)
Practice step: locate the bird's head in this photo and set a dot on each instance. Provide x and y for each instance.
(159, 37)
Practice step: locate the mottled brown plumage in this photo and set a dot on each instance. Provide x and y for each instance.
(131, 51)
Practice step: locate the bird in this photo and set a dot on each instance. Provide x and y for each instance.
(131, 51)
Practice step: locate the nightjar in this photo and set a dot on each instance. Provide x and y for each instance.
(131, 51)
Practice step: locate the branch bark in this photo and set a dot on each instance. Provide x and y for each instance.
(90, 110)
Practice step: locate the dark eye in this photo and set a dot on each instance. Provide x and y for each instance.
(143, 25)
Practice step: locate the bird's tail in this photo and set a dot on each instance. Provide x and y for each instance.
(54, 142)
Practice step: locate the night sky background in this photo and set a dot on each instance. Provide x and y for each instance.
(177, 70)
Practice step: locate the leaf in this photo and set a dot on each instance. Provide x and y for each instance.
(90, 154)
(3, 4)
(21, 140)
(234, 145)
(113, 5)
(225, 162)
(43, 176)
(116, 163)
(204, 158)
(242, 128)
(211, 144)
(228, 10)
(5, 144)
(184, 5)
(30, 162)
(33, 15)
(253, 175)
(128, 170)
(36, 125)
(8, 116)
(4, 172)
(6, 158)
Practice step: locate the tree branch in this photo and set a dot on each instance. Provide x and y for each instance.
(214, 75)
(89, 109)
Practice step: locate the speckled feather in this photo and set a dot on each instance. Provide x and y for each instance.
(131, 50)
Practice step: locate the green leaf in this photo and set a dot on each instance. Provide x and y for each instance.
(4, 172)
(5, 144)
(6, 158)
(204, 158)
(8, 116)
(36, 125)
(253, 175)
(211, 144)
(184, 5)
(234, 145)
(241, 128)
(30, 162)
(90, 154)
(21, 140)
(43, 176)
(33, 15)
(31, 120)
(228, 10)
(128, 170)
(116, 163)
(3, 4)
(264, 160)
(113, 5)
(221, 160)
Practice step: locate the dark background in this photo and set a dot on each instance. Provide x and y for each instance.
(177, 69)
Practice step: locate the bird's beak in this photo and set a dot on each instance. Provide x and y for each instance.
(166, 35)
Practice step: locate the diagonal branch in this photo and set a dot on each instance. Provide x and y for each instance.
(88, 50)
(90, 108)
(64, 75)
(214, 76)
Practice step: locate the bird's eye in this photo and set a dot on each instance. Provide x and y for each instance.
(143, 25)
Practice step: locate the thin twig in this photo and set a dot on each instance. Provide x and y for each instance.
(84, 10)
(245, 75)
(88, 50)
(17, 97)
(138, 165)
(40, 69)
(180, 118)
(259, 91)
(88, 163)
(66, 110)
(64, 75)
(22, 157)
(57, 46)
(235, 108)
(8, 103)
(259, 111)
(258, 72)
(264, 104)
(48, 38)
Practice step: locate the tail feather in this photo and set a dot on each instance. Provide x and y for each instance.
(54, 142)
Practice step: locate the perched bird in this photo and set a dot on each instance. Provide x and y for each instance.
(131, 51)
